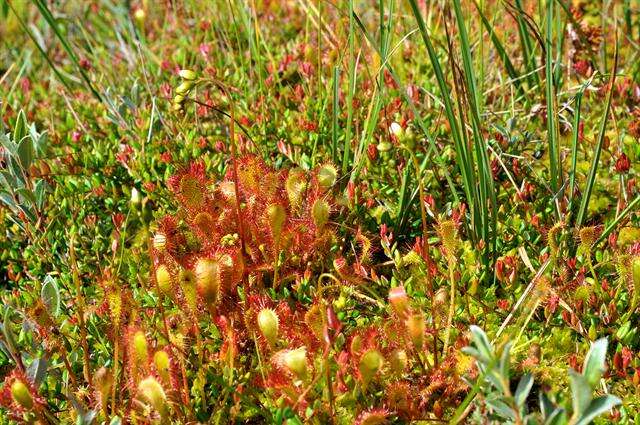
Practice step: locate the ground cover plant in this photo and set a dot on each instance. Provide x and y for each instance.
(351, 212)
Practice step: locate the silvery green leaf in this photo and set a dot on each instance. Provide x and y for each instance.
(50, 295)
(37, 370)
(481, 341)
(501, 408)
(523, 389)
(594, 362)
(580, 392)
(25, 152)
(557, 417)
(598, 407)
(546, 406)
(504, 363)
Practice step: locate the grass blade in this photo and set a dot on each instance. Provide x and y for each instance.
(586, 195)
(514, 75)
(555, 167)
(46, 13)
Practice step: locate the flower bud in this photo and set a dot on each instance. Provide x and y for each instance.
(187, 74)
(268, 323)
(320, 213)
(160, 241)
(135, 197)
(370, 364)
(208, 280)
(327, 175)
(396, 129)
(184, 88)
(21, 394)
(152, 392)
(163, 278)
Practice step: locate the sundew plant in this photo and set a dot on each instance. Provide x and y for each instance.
(320, 212)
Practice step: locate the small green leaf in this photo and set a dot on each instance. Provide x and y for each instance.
(580, 392)
(557, 417)
(50, 295)
(481, 342)
(37, 369)
(546, 407)
(501, 408)
(26, 152)
(504, 364)
(7, 331)
(19, 131)
(594, 362)
(598, 407)
(522, 391)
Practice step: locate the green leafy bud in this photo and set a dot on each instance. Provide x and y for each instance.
(268, 323)
(276, 216)
(320, 212)
(163, 278)
(296, 361)
(370, 364)
(208, 280)
(327, 175)
(21, 394)
(151, 391)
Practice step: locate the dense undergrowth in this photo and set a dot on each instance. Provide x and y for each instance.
(314, 212)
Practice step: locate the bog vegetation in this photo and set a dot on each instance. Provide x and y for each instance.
(350, 212)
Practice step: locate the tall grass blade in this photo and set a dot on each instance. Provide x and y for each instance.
(462, 157)
(591, 178)
(486, 190)
(555, 167)
(38, 46)
(514, 75)
(335, 114)
(48, 16)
